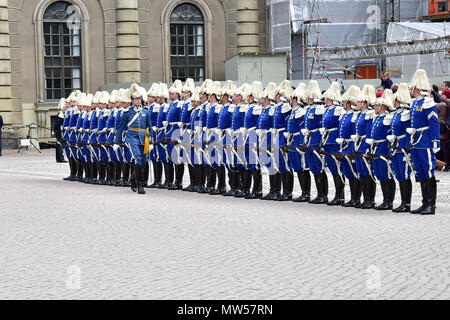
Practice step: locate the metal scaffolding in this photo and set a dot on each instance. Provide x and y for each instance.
(382, 50)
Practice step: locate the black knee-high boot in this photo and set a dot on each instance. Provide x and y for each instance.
(423, 189)
(277, 179)
(72, 170)
(245, 178)
(272, 188)
(87, 173)
(287, 179)
(339, 185)
(405, 194)
(388, 189)
(139, 175)
(304, 179)
(146, 175)
(233, 181)
(319, 189)
(80, 171)
(95, 173)
(126, 175)
(118, 173)
(353, 202)
(179, 173)
(192, 179)
(101, 173)
(431, 197)
(221, 182)
(257, 185)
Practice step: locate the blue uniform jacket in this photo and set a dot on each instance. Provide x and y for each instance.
(330, 122)
(143, 121)
(424, 114)
(313, 118)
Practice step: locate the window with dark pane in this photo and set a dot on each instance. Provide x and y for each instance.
(62, 52)
(187, 57)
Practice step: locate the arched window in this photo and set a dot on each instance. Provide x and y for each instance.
(187, 49)
(62, 51)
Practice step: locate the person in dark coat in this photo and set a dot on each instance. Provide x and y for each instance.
(57, 129)
(386, 83)
(444, 121)
(1, 126)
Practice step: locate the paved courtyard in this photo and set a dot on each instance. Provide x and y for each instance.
(67, 240)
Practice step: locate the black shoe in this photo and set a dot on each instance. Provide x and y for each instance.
(351, 203)
(367, 205)
(189, 188)
(140, 189)
(230, 193)
(204, 190)
(336, 202)
(404, 207)
(214, 192)
(284, 197)
(303, 198)
(428, 210)
(175, 186)
(69, 178)
(154, 185)
(384, 206)
(102, 182)
(241, 194)
(274, 196)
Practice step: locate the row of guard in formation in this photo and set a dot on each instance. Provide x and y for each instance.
(248, 132)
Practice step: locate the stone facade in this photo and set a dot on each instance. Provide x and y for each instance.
(122, 41)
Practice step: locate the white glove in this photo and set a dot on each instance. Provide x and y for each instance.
(165, 123)
(115, 147)
(435, 147)
(354, 137)
(322, 131)
(286, 134)
(390, 137)
(410, 130)
(304, 131)
(339, 140)
(369, 141)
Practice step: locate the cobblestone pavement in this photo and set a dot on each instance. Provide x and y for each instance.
(67, 240)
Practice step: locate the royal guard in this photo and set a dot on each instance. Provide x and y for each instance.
(265, 122)
(138, 136)
(185, 121)
(163, 153)
(153, 109)
(330, 131)
(314, 159)
(114, 164)
(75, 144)
(102, 137)
(224, 155)
(251, 141)
(84, 140)
(281, 115)
(203, 169)
(347, 120)
(399, 144)
(172, 134)
(238, 109)
(363, 126)
(379, 148)
(295, 141)
(424, 141)
(211, 156)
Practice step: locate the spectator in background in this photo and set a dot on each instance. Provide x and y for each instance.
(435, 94)
(380, 90)
(446, 86)
(394, 87)
(1, 126)
(444, 122)
(386, 83)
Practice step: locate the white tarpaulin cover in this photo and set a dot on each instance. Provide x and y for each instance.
(435, 64)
